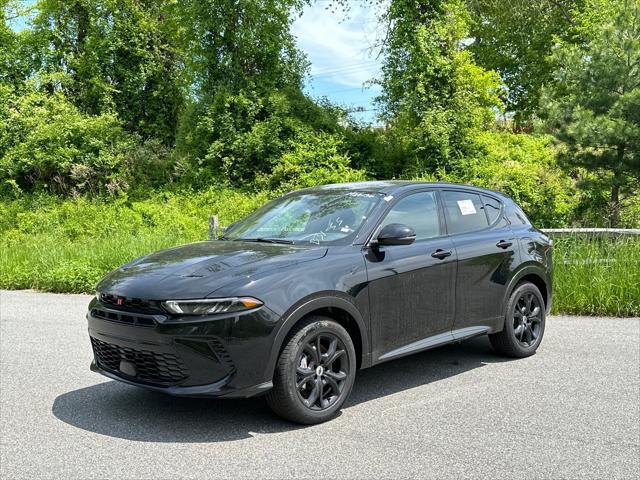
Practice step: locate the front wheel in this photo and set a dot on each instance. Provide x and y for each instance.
(315, 372)
(524, 323)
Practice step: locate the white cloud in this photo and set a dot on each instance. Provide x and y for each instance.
(339, 48)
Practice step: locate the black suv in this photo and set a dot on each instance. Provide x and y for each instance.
(318, 283)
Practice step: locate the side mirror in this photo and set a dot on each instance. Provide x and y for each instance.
(396, 234)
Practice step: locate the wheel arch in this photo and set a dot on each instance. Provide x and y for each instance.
(535, 274)
(336, 305)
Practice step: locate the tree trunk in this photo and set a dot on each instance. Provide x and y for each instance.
(614, 214)
(82, 17)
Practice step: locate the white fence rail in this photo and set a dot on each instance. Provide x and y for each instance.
(613, 231)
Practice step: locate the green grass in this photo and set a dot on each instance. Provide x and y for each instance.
(597, 274)
(68, 245)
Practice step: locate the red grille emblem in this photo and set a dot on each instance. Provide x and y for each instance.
(119, 301)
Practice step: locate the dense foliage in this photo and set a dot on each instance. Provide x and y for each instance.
(116, 56)
(525, 168)
(107, 97)
(593, 106)
(435, 99)
(247, 108)
(125, 123)
(49, 144)
(515, 39)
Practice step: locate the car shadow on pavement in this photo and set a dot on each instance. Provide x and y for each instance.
(114, 409)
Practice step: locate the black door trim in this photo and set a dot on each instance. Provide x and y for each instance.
(434, 341)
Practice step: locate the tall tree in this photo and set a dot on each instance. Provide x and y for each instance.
(593, 106)
(117, 55)
(434, 97)
(247, 107)
(237, 44)
(14, 60)
(515, 39)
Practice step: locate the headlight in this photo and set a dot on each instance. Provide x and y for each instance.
(211, 305)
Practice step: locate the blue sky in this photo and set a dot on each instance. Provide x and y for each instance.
(341, 54)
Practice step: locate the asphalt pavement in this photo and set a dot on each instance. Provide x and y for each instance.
(460, 411)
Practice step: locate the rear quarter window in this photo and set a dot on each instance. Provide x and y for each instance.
(516, 216)
(492, 207)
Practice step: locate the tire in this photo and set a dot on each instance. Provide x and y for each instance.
(297, 375)
(524, 323)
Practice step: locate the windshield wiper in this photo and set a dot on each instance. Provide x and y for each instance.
(267, 240)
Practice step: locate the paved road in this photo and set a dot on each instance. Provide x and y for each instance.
(570, 411)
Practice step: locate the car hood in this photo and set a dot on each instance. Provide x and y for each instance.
(198, 269)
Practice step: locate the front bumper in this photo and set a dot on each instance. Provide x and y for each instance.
(218, 355)
(211, 390)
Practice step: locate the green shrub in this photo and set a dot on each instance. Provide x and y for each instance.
(47, 144)
(315, 160)
(50, 145)
(523, 167)
(243, 135)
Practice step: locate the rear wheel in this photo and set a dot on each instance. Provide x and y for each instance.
(524, 323)
(315, 372)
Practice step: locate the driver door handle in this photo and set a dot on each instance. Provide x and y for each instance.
(441, 254)
(503, 244)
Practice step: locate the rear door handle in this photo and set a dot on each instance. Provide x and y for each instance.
(440, 254)
(503, 244)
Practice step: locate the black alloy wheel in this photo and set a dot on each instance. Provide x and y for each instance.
(314, 373)
(524, 323)
(322, 371)
(527, 320)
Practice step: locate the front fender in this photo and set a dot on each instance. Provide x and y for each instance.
(311, 303)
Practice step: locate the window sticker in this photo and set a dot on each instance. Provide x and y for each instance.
(466, 207)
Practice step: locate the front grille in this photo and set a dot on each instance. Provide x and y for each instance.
(151, 367)
(130, 303)
(121, 317)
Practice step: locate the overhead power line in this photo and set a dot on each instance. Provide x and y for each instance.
(346, 66)
(345, 69)
(344, 90)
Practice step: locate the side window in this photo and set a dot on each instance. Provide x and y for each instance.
(465, 212)
(418, 211)
(492, 207)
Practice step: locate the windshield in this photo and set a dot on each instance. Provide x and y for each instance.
(319, 217)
